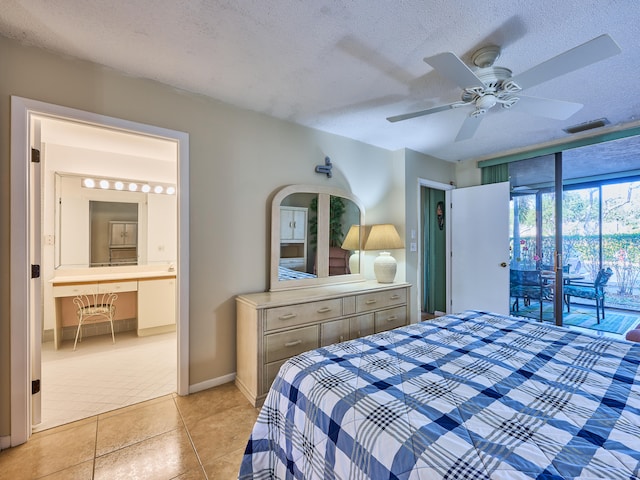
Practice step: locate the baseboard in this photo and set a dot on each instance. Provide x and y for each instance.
(5, 442)
(214, 382)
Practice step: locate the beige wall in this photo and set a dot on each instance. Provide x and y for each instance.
(238, 159)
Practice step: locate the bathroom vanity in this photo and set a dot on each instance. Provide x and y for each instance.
(148, 293)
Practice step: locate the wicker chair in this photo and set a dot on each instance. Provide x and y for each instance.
(591, 291)
(94, 307)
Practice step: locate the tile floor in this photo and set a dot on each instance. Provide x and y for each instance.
(100, 376)
(199, 436)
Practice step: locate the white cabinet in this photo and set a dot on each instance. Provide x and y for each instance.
(274, 326)
(156, 306)
(293, 224)
(123, 234)
(123, 243)
(293, 238)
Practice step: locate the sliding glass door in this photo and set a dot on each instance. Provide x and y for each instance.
(533, 229)
(575, 235)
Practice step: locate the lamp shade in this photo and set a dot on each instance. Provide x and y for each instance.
(384, 237)
(352, 240)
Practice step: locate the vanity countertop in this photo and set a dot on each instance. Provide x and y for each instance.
(91, 276)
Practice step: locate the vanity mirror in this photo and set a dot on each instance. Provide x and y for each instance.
(98, 227)
(309, 225)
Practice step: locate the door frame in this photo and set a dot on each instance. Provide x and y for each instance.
(446, 187)
(22, 110)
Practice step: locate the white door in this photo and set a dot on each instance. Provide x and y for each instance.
(480, 248)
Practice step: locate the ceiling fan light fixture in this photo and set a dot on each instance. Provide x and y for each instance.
(486, 102)
(590, 125)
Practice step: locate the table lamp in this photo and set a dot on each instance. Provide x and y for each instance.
(352, 243)
(384, 237)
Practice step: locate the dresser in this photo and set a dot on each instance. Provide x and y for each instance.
(274, 326)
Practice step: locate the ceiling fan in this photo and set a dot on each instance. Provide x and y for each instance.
(486, 85)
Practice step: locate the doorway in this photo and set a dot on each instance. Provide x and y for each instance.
(433, 247)
(27, 244)
(432, 202)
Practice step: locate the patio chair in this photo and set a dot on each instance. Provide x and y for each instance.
(591, 291)
(528, 285)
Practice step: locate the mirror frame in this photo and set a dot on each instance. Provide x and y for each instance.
(324, 194)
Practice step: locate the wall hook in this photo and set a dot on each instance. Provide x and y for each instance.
(326, 168)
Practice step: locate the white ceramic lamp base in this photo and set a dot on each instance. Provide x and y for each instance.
(354, 262)
(384, 267)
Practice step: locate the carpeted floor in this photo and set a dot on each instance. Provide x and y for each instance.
(585, 317)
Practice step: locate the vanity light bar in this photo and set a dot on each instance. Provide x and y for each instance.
(113, 184)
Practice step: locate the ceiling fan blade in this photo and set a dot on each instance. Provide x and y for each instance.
(593, 51)
(429, 111)
(450, 66)
(546, 107)
(469, 127)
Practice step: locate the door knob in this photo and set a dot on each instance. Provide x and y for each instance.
(503, 264)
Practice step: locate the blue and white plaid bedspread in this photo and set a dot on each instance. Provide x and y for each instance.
(475, 396)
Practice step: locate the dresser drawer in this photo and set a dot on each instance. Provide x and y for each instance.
(361, 326)
(279, 346)
(73, 290)
(391, 318)
(116, 287)
(270, 372)
(292, 315)
(376, 300)
(335, 331)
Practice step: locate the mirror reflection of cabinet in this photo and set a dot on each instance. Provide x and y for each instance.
(123, 243)
(306, 256)
(123, 234)
(293, 238)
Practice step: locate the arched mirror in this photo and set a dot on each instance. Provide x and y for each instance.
(316, 237)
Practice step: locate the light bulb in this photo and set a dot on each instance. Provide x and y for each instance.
(89, 183)
(133, 187)
(118, 185)
(158, 189)
(104, 184)
(171, 190)
(145, 188)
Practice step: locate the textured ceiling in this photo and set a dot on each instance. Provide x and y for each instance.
(344, 66)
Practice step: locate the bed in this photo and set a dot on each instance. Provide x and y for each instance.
(285, 273)
(470, 396)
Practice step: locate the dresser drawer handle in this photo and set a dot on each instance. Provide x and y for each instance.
(293, 344)
(287, 316)
(392, 318)
(371, 302)
(395, 297)
(324, 310)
